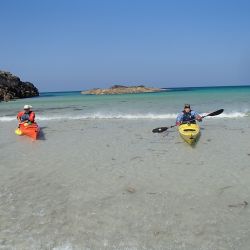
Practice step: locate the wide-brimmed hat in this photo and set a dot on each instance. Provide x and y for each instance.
(27, 107)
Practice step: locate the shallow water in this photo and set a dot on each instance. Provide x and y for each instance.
(113, 184)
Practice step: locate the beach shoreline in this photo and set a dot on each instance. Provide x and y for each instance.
(114, 184)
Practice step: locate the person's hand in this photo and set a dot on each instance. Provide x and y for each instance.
(24, 122)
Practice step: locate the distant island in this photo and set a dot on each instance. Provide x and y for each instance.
(120, 89)
(11, 87)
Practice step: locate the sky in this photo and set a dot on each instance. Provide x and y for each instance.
(62, 45)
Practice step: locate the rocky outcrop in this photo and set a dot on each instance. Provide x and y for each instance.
(120, 89)
(11, 87)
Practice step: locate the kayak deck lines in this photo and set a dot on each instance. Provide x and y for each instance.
(189, 132)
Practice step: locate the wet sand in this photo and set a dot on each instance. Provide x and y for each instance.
(113, 184)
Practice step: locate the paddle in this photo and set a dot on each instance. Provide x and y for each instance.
(162, 129)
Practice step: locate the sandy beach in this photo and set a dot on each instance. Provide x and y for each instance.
(100, 78)
(113, 184)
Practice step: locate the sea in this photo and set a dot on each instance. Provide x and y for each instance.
(235, 100)
(98, 178)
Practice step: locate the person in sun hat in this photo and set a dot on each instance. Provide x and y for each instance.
(26, 116)
(188, 116)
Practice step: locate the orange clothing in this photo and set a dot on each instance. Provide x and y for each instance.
(23, 116)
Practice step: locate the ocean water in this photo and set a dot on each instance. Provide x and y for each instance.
(98, 178)
(164, 105)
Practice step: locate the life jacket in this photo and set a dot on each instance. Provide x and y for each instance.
(188, 117)
(26, 116)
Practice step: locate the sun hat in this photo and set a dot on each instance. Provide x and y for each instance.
(27, 107)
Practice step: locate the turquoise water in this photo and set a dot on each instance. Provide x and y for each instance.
(164, 105)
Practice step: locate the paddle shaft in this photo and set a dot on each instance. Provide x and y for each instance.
(162, 129)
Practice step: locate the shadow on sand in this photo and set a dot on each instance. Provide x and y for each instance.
(41, 136)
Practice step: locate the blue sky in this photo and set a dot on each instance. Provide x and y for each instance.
(80, 44)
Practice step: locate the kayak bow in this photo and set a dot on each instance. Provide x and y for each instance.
(189, 132)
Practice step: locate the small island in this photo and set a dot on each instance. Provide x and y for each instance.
(11, 87)
(120, 89)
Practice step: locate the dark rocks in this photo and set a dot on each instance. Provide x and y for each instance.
(118, 86)
(11, 87)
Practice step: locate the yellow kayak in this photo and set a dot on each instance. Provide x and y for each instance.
(189, 132)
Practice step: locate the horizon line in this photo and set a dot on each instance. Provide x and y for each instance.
(213, 86)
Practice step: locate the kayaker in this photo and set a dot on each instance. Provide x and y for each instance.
(26, 116)
(188, 116)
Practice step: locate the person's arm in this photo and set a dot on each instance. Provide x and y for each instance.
(197, 116)
(19, 117)
(32, 117)
(179, 119)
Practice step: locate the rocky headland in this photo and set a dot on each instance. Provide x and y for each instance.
(11, 87)
(120, 89)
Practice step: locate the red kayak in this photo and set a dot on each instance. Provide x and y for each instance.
(31, 130)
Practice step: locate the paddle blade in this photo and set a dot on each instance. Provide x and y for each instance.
(18, 132)
(159, 130)
(217, 112)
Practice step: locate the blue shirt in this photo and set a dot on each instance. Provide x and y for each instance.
(186, 117)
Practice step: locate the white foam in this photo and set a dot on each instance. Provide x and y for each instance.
(97, 116)
(7, 119)
(110, 116)
(119, 116)
(230, 115)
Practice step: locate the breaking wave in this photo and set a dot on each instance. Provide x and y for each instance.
(118, 116)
